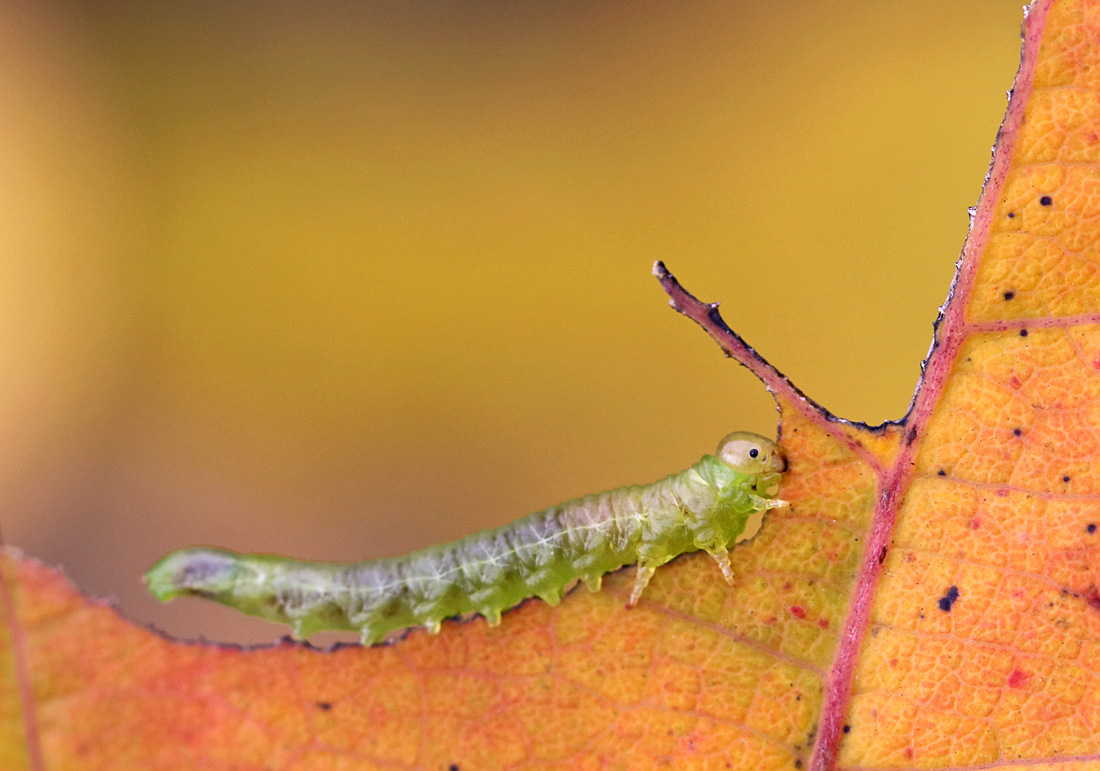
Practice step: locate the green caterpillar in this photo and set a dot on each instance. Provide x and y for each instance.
(704, 507)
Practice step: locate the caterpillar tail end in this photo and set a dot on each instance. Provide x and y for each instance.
(199, 571)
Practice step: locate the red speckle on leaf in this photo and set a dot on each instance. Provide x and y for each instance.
(797, 612)
(823, 623)
(1093, 598)
(975, 523)
(893, 662)
(909, 753)
(1018, 678)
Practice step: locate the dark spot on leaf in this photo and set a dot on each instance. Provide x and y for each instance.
(942, 473)
(882, 555)
(1009, 295)
(1011, 214)
(324, 705)
(1023, 333)
(452, 767)
(1017, 432)
(911, 437)
(949, 598)
(1065, 479)
(1046, 200)
(798, 764)
(1092, 527)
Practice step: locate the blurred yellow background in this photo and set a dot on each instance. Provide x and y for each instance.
(345, 279)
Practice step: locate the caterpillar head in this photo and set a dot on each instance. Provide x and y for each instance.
(751, 453)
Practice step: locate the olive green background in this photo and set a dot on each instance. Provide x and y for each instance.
(343, 280)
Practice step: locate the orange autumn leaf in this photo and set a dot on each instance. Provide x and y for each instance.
(930, 599)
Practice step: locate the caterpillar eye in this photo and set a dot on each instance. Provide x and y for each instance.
(753, 453)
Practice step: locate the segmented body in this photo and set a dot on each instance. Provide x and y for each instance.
(703, 507)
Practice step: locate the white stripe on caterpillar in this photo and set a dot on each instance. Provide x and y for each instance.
(703, 507)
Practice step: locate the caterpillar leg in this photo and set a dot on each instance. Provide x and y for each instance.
(551, 597)
(722, 557)
(369, 635)
(594, 582)
(767, 503)
(644, 574)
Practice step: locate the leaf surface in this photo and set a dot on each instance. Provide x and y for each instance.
(930, 599)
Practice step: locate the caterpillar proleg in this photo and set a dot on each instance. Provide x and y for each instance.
(703, 507)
